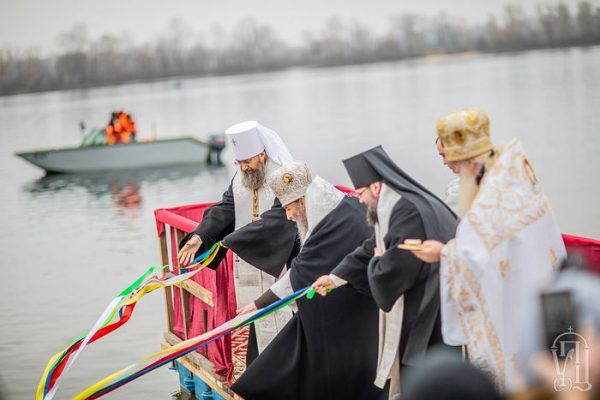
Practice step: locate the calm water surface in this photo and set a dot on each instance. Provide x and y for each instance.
(71, 243)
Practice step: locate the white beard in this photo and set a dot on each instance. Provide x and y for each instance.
(302, 230)
(467, 191)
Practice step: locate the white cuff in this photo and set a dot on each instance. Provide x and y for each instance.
(283, 287)
(337, 281)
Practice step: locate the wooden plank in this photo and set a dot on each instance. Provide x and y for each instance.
(201, 367)
(184, 296)
(198, 290)
(168, 292)
(217, 386)
(171, 339)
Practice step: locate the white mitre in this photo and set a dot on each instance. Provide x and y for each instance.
(250, 138)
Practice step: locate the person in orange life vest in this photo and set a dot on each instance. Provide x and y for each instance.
(112, 137)
(132, 127)
(120, 129)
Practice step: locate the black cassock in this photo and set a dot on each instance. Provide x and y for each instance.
(395, 273)
(418, 214)
(328, 350)
(269, 242)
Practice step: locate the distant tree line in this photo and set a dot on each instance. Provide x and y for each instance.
(252, 47)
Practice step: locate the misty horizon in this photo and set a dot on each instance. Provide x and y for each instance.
(251, 46)
(28, 26)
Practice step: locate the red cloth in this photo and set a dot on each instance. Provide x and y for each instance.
(347, 190)
(220, 283)
(588, 248)
(185, 217)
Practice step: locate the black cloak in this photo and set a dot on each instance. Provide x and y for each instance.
(419, 214)
(328, 350)
(270, 241)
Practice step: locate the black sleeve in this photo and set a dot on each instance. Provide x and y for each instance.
(353, 267)
(266, 299)
(219, 220)
(396, 271)
(268, 243)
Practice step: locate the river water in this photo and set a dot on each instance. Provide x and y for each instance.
(71, 243)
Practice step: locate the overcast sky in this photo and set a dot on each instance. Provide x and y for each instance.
(36, 23)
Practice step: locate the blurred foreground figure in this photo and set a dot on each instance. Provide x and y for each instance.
(566, 361)
(441, 376)
(506, 249)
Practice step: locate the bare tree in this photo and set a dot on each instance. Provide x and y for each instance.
(75, 40)
(252, 46)
(518, 32)
(585, 22)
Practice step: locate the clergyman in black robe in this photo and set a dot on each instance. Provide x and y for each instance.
(250, 221)
(405, 288)
(249, 218)
(328, 350)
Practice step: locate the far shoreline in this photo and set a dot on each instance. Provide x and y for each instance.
(434, 57)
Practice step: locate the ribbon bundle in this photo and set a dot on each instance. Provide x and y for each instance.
(116, 314)
(160, 358)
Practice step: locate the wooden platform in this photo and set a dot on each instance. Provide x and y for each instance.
(201, 367)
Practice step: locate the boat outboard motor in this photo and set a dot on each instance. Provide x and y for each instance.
(216, 144)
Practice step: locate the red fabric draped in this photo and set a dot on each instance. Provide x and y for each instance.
(220, 283)
(347, 190)
(587, 248)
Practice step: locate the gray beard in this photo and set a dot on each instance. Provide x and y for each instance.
(467, 191)
(255, 179)
(372, 218)
(302, 230)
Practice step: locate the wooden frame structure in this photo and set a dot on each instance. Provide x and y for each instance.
(193, 365)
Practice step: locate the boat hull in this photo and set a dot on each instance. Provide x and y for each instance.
(136, 155)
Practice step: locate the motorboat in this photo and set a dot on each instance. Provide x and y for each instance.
(102, 157)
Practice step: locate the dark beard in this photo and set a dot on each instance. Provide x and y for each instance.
(372, 218)
(254, 179)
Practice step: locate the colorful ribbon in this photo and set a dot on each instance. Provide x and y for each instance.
(162, 357)
(115, 315)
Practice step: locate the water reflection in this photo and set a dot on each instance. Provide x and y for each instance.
(100, 183)
(126, 196)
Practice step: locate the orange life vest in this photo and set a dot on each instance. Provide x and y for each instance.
(110, 135)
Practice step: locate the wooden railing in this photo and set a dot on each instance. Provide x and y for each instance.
(172, 226)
